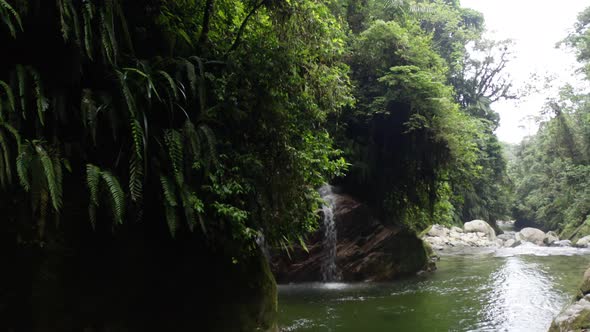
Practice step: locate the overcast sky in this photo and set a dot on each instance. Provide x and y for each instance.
(535, 26)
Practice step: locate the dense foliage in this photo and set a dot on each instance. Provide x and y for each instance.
(420, 136)
(552, 170)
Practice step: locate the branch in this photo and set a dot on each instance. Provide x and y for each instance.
(243, 27)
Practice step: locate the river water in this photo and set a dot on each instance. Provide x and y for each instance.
(508, 289)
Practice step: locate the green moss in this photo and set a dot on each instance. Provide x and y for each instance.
(580, 323)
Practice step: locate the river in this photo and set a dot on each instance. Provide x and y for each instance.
(507, 289)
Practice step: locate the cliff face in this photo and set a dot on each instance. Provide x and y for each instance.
(366, 250)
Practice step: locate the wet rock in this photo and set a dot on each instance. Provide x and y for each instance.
(583, 242)
(481, 226)
(550, 238)
(509, 243)
(506, 236)
(367, 249)
(532, 235)
(438, 230)
(562, 243)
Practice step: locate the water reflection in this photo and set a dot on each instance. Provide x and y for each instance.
(514, 289)
(522, 297)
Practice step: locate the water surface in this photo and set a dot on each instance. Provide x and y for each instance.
(512, 289)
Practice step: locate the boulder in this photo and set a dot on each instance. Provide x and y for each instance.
(576, 317)
(562, 243)
(532, 235)
(583, 242)
(509, 243)
(475, 226)
(550, 237)
(585, 287)
(456, 229)
(438, 230)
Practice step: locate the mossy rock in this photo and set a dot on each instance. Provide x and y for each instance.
(580, 323)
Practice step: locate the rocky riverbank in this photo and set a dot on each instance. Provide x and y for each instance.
(575, 317)
(478, 233)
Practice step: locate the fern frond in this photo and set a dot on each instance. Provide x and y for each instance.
(138, 138)
(73, 14)
(189, 213)
(8, 7)
(107, 47)
(92, 179)
(87, 16)
(168, 191)
(173, 141)
(14, 133)
(92, 215)
(110, 27)
(23, 165)
(126, 92)
(40, 97)
(117, 195)
(135, 177)
(50, 177)
(65, 29)
(89, 113)
(9, 94)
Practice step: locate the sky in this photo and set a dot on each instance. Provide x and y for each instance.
(535, 26)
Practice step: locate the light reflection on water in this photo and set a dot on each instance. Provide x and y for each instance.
(514, 289)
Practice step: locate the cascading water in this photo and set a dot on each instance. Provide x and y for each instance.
(328, 268)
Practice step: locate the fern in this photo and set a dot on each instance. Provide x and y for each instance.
(73, 14)
(173, 141)
(50, 176)
(129, 99)
(23, 163)
(107, 47)
(41, 101)
(109, 28)
(135, 177)
(89, 112)
(117, 195)
(7, 7)
(9, 94)
(88, 16)
(65, 29)
(168, 191)
(92, 181)
(189, 213)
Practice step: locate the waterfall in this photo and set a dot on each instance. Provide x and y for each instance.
(328, 268)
